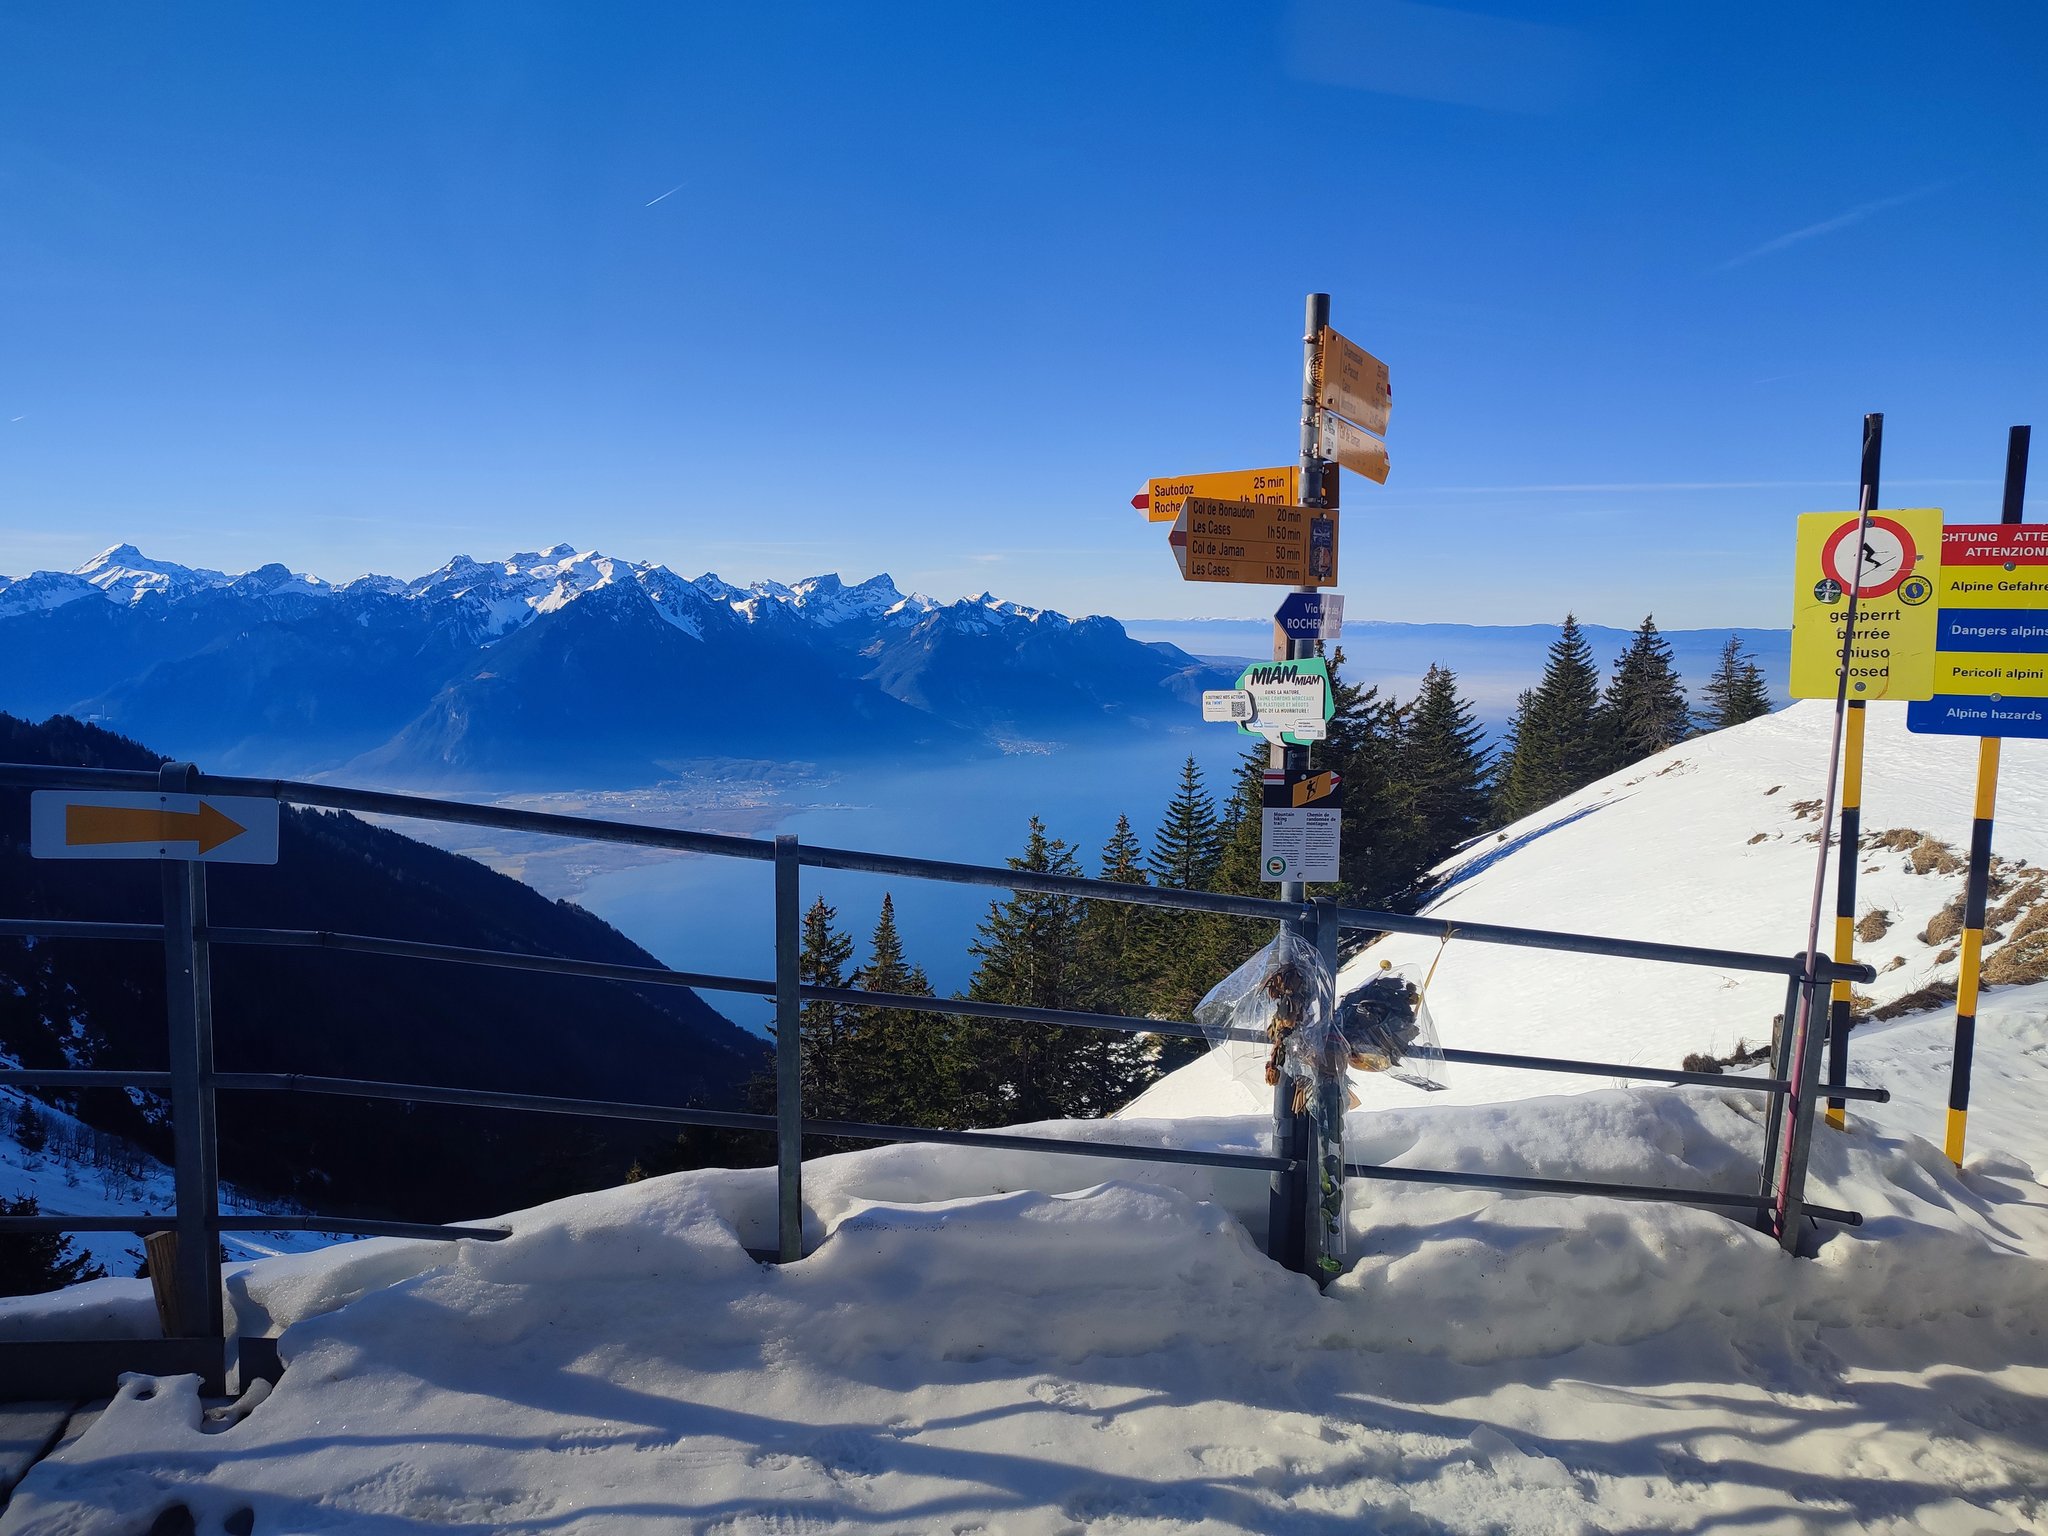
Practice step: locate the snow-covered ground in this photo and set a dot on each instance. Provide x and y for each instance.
(1001, 1343)
(81, 1173)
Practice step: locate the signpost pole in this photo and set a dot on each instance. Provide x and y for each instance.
(188, 1000)
(1287, 1205)
(1852, 824)
(789, 1106)
(1976, 889)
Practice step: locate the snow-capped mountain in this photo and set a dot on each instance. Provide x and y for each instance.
(562, 664)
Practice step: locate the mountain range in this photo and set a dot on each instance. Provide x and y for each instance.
(563, 665)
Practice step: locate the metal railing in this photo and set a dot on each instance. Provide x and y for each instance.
(193, 1082)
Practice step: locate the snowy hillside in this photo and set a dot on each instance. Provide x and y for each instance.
(81, 1171)
(1713, 843)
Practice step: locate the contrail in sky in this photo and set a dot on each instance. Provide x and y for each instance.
(671, 192)
(1855, 215)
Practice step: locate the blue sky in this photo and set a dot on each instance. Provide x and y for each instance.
(932, 288)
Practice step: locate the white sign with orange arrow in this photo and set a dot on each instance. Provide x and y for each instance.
(214, 829)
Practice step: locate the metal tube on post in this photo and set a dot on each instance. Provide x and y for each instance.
(1774, 1109)
(188, 1003)
(1977, 889)
(1840, 1001)
(789, 1107)
(1325, 1129)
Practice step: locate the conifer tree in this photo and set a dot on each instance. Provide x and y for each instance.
(1189, 840)
(1557, 746)
(1029, 956)
(1375, 859)
(1118, 941)
(39, 1261)
(1442, 770)
(1737, 690)
(1499, 786)
(824, 1075)
(908, 1065)
(1644, 709)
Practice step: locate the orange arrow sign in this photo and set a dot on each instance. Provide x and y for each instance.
(88, 826)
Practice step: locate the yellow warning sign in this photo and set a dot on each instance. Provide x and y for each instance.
(1892, 569)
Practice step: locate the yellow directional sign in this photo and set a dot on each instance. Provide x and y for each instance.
(1259, 545)
(1355, 449)
(1893, 570)
(1352, 382)
(214, 829)
(1161, 499)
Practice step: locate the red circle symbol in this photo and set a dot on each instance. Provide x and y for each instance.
(1888, 557)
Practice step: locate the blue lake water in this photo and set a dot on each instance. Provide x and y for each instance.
(717, 914)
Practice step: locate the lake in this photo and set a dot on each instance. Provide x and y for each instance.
(717, 914)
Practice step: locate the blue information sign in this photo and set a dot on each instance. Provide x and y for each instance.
(1969, 714)
(1311, 615)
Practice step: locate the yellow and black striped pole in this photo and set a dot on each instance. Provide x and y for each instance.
(1978, 890)
(1975, 895)
(1845, 907)
(1852, 823)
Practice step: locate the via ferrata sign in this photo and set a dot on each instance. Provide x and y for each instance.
(1892, 570)
(1991, 634)
(1291, 700)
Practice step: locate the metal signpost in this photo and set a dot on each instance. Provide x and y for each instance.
(1233, 541)
(1162, 497)
(1311, 615)
(1992, 634)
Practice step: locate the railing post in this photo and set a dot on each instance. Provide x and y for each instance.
(1805, 1080)
(1774, 1105)
(188, 999)
(1322, 1164)
(789, 1106)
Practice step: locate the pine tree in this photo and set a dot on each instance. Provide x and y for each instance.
(1500, 784)
(1029, 954)
(1557, 746)
(1376, 858)
(39, 1261)
(826, 1030)
(1737, 690)
(29, 1132)
(1442, 770)
(1644, 710)
(908, 1065)
(1189, 840)
(1119, 941)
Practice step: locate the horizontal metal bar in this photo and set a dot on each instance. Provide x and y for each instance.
(376, 802)
(1079, 886)
(55, 928)
(358, 1226)
(1521, 1184)
(855, 1130)
(480, 1098)
(61, 1223)
(1594, 944)
(1829, 1213)
(1646, 1074)
(501, 959)
(80, 1077)
(967, 1008)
